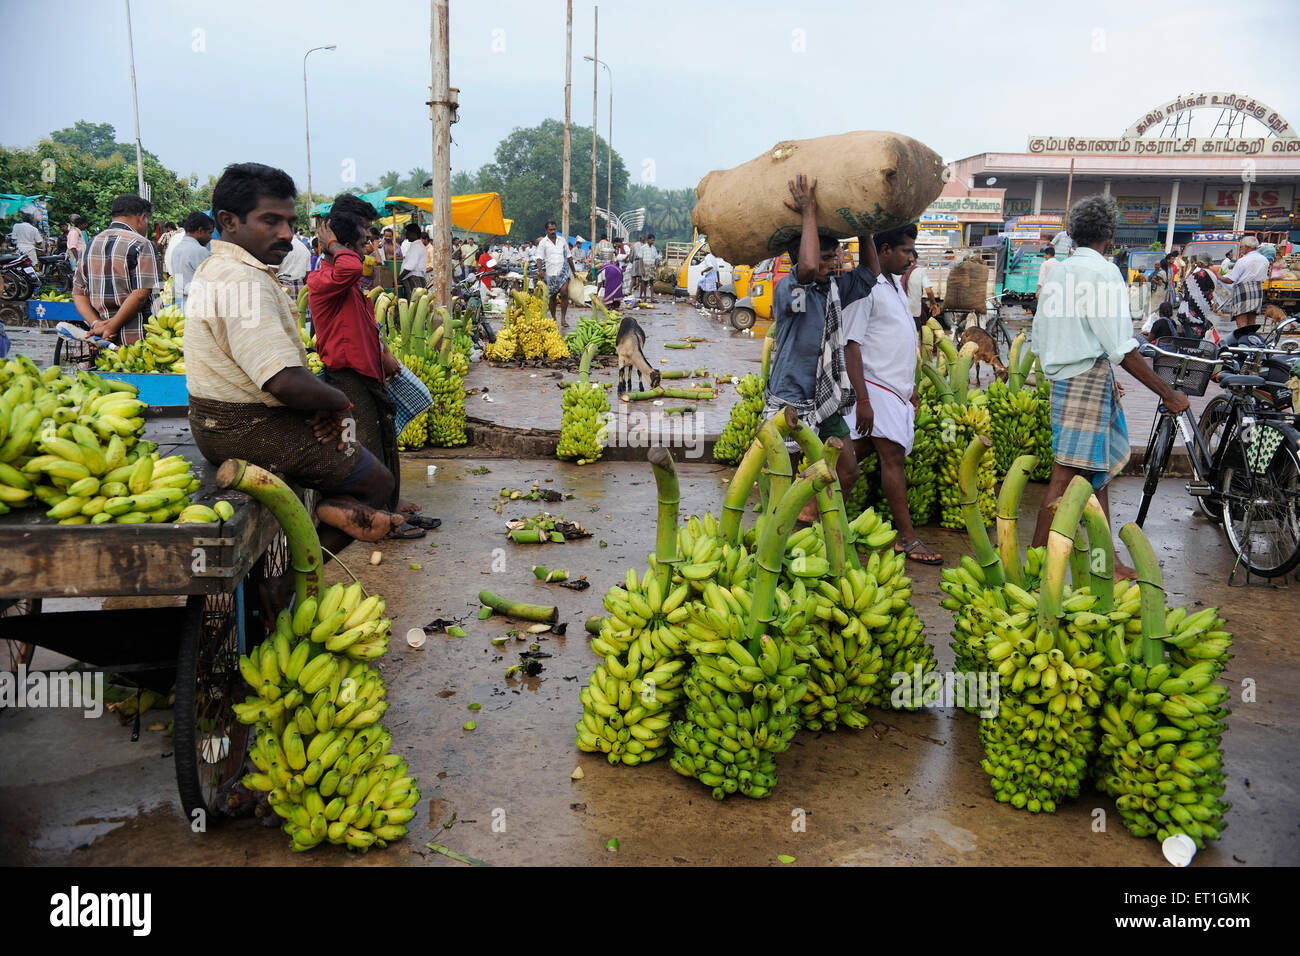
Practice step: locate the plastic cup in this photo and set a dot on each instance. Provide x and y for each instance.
(415, 637)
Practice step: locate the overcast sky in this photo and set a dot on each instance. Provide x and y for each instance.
(699, 84)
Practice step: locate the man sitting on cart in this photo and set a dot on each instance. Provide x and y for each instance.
(251, 395)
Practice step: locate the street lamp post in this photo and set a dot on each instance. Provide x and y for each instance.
(135, 106)
(307, 115)
(609, 140)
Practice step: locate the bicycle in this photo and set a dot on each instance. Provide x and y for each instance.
(1251, 478)
(993, 325)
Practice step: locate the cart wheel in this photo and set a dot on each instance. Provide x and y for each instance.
(15, 653)
(210, 743)
(273, 564)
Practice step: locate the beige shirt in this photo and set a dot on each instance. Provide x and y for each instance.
(240, 328)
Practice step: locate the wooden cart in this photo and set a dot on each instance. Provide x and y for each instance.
(212, 569)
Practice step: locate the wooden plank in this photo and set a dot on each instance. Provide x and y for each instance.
(40, 558)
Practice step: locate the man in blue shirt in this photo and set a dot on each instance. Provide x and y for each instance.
(808, 368)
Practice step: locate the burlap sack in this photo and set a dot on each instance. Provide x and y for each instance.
(867, 181)
(967, 287)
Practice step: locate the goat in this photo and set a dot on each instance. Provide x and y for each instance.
(985, 351)
(631, 341)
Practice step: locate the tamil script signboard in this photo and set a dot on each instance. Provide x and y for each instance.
(960, 204)
(1188, 146)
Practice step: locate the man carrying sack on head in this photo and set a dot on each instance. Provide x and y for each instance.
(1082, 327)
(809, 371)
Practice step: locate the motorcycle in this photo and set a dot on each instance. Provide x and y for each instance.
(20, 279)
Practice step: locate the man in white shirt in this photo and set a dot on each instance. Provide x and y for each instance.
(293, 268)
(1246, 283)
(649, 265)
(415, 259)
(920, 294)
(28, 239)
(881, 359)
(1045, 270)
(555, 265)
(189, 251)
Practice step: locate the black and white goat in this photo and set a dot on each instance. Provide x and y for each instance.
(631, 341)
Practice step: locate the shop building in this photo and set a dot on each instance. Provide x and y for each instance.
(1168, 184)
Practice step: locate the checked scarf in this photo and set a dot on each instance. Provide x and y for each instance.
(832, 392)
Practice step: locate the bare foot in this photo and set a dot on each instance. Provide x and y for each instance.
(407, 507)
(809, 514)
(1124, 573)
(356, 519)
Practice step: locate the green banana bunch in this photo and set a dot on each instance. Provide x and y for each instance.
(320, 752)
(1161, 755)
(742, 426)
(603, 331)
(584, 426)
(742, 696)
(1016, 423)
(961, 423)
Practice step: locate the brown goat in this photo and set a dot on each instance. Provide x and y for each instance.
(985, 350)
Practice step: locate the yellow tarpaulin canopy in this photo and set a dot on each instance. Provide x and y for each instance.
(477, 212)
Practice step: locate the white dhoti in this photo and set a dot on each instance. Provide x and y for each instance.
(894, 418)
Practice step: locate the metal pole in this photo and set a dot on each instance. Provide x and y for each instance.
(135, 104)
(1069, 188)
(440, 244)
(1173, 217)
(609, 144)
(306, 113)
(568, 85)
(595, 82)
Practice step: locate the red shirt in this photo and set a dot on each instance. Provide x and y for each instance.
(346, 334)
(482, 266)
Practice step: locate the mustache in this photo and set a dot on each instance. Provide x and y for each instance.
(282, 247)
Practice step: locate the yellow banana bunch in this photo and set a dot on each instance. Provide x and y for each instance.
(584, 427)
(320, 752)
(528, 333)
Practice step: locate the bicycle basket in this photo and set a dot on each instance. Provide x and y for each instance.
(1190, 378)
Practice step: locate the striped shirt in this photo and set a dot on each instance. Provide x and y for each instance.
(240, 328)
(118, 262)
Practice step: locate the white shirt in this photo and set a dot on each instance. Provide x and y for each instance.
(551, 253)
(415, 258)
(293, 267)
(882, 325)
(28, 239)
(917, 285)
(1045, 270)
(1062, 243)
(1250, 267)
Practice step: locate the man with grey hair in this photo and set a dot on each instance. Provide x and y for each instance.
(1245, 283)
(1082, 328)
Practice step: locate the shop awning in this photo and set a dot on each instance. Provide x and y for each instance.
(476, 212)
(377, 200)
(11, 203)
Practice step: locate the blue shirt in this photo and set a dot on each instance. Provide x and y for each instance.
(799, 332)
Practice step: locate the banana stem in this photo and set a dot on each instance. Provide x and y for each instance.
(662, 392)
(1101, 555)
(959, 376)
(1015, 380)
(669, 500)
(769, 341)
(592, 625)
(831, 450)
(1060, 545)
(968, 484)
(947, 347)
(517, 609)
(1080, 575)
(279, 499)
(938, 381)
(769, 446)
(1013, 488)
(771, 546)
(444, 319)
(1151, 586)
(584, 366)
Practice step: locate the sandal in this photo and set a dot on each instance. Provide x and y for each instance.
(934, 557)
(422, 521)
(406, 532)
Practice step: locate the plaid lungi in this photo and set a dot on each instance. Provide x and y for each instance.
(374, 411)
(555, 284)
(1089, 432)
(1243, 297)
(276, 437)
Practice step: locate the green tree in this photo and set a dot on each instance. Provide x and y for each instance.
(95, 139)
(528, 172)
(668, 211)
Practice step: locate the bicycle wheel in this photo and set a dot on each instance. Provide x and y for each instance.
(1212, 422)
(210, 743)
(16, 653)
(1162, 442)
(1261, 502)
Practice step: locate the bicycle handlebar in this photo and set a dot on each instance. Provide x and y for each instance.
(1181, 356)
